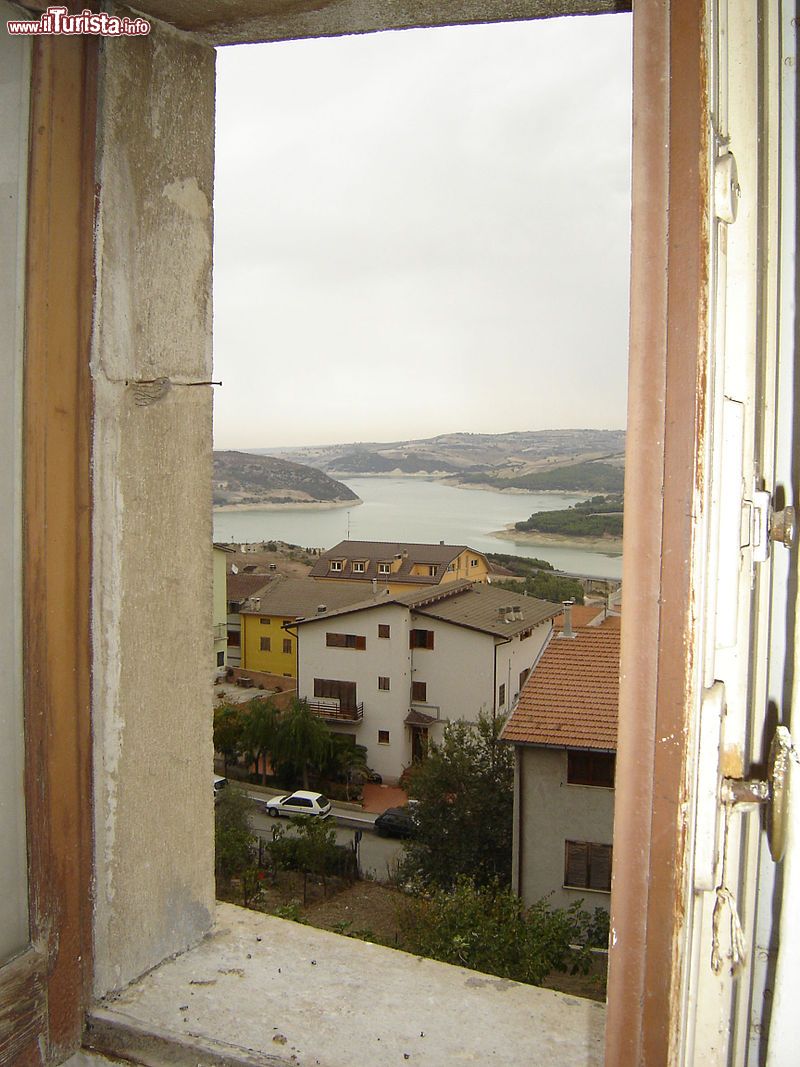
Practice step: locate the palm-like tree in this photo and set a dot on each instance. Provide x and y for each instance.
(302, 739)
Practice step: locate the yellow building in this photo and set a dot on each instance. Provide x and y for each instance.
(400, 566)
(265, 644)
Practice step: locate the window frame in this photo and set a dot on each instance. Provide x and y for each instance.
(384, 631)
(667, 374)
(47, 985)
(416, 688)
(353, 642)
(415, 641)
(594, 771)
(381, 687)
(590, 847)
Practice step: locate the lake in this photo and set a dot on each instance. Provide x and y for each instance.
(418, 510)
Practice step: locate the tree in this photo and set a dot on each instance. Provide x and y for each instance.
(463, 819)
(234, 840)
(302, 740)
(228, 725)
(346, 761)
(260, 732)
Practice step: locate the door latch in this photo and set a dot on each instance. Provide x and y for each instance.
(747, 794)
(770, 526)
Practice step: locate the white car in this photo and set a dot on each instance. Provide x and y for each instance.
(301, 802)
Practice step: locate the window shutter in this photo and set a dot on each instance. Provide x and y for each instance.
(600, 867)
(576, 864)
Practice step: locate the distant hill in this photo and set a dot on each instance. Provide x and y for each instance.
(470, 457)
(569, 478)
(243, 478)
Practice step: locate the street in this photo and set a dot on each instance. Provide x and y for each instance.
(377, 855)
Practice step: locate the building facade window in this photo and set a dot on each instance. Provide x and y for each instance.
(359, 566)
(234, 638)
(501, 695)
(587, 865)
(420, 639)
(591, 768)
(384, 630)
(287, 645)
(357, 641)
(264, 622)
(220, 659)
(384, 568)
(336, 564)
(523, 675)
(383, 682)
(419, 692)
(383, 737)
(265, 644)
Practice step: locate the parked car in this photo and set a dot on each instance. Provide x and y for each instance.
(395, 822)
(301, 802)
(219, 784)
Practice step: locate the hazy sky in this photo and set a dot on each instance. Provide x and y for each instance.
(421, 232)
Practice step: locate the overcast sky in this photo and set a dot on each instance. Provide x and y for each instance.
(422, 232)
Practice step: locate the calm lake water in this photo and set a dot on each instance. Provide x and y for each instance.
(418, 510)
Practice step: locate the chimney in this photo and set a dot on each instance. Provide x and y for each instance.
(374, 586)
(257, 602)
(516, 612)
(567, 630)
(441, 542)
(321, 609)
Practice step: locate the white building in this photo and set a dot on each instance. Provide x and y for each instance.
(392, 670)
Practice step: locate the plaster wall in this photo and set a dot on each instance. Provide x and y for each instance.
(458, 671)
(152, 565)
(549, 812)
(516, 656)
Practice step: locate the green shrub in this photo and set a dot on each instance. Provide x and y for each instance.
(489, 929)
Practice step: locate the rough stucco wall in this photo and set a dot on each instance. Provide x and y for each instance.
(552, 813)
(152, 581)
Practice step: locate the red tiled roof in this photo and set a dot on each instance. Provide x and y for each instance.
(571, 697)
(242, 586)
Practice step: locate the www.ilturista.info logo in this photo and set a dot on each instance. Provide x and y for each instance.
(57, 21)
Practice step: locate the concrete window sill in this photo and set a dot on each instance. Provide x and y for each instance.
(261, 990)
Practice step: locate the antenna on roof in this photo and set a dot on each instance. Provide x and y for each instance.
(348, 524)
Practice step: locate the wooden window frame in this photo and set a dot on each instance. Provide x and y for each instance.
(384, 737)
(593, 774)
(664, 476)
(383, 678)
(287, 646)
(354, 642)
(265, 644)
(416, 688)
(589, 847)
(44, 991)
(384, 630)
(416, 641)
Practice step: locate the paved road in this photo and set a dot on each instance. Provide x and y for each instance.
(377, 855)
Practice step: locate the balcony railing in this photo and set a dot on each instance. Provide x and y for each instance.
(220, 631)
(335, 713)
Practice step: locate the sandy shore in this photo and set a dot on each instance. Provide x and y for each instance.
(611, 546)
(295, 505)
